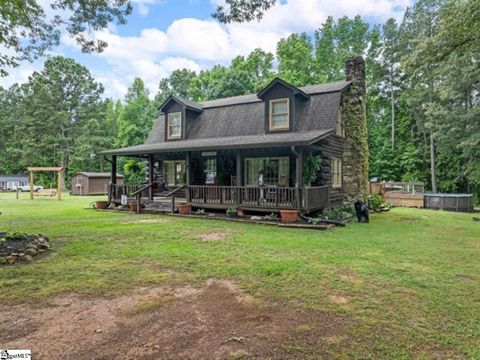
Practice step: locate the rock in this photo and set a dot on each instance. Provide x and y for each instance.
(45, 246)
(11, 259)
(28, 258)
(31, 251)
(256, 218)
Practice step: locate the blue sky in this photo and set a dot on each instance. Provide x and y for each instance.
(164, 35)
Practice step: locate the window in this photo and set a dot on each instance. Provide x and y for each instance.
(279, 114)
(336, 172)
(174, 172)
(266, 171)
(340, 129)
(79, 181)
(174, 125)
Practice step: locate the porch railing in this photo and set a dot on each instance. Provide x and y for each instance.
(315, 198)
(117, 190)
(261, 197)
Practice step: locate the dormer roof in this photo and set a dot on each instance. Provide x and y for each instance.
(278, 81)
(188, 104)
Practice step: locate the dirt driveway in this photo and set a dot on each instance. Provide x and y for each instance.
(217, 321)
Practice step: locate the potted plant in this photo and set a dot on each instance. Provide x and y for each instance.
(133, 206)
(231, 212)
(184, 209)
(101, 204)
(289, 216)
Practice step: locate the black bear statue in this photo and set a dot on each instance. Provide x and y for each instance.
(361, 209)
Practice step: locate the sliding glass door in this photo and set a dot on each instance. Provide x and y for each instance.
(266, 171)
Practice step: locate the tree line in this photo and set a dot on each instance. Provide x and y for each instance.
(423, 109)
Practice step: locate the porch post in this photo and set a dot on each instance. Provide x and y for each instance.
(298, 178)
(150, 176)
(188, 176)
(113, 176)
(239, 170)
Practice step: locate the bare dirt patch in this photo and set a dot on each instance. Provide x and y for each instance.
(212, 235)
(216, 321)
(338, 299)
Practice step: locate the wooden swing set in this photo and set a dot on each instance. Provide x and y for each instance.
(46, 192)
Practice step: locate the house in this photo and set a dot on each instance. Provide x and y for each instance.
(257, 152)
(10, 182)
(92, 183)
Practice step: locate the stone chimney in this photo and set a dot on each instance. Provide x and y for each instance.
(355, 156)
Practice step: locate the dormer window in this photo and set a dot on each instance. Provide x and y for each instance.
(279, 114)
(174, 125)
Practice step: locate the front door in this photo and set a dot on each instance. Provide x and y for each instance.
(174, 172)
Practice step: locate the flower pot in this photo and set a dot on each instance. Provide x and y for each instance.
(101, 204)
(289, 216)
(184, 209)
(231, 214)
(133, 206)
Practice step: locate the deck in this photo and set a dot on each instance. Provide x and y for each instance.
(259, 198)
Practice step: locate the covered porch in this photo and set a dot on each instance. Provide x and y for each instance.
(266, 180)
(255, 178)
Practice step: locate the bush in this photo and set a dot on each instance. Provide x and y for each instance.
(376, 202)
(344, 212)
(271, 217)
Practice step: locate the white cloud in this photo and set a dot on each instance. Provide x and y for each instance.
(143, 6)
(188, 42)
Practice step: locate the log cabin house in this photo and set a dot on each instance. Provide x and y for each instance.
(253, 151)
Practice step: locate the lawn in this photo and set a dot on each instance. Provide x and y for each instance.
(407, 285)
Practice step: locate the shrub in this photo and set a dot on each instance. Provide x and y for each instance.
(376, 202)
(271, 217)
(344, 212)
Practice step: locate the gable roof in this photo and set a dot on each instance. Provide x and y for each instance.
(96, 174)
(240, 122)
(251, 98)
(191, 105)
(277, 81)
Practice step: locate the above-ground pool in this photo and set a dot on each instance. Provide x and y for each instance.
(451, 202)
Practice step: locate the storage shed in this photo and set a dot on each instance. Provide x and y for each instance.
(92, 183)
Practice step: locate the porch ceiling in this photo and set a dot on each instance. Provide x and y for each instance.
(231, 142)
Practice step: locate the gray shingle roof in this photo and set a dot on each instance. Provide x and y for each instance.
(239, 120)
(251, 98)
(188, 103)
(231, 142)
(96, 174)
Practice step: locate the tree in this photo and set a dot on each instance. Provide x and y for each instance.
(295, 59)
(180, 83)
(390, 63)
(419, 26)
(137, 116)
(59, 103)
(26, 29)
(242, 10)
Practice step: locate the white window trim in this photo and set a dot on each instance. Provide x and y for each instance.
(270, 125)
(340, 128)
(337, 172)
(169, 135)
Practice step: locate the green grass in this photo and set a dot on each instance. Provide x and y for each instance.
(411, 277)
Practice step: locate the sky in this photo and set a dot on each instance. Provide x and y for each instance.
(164, 35)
